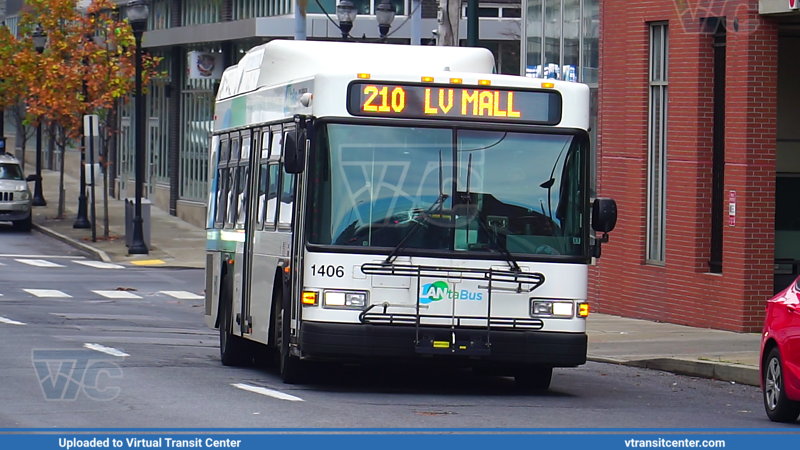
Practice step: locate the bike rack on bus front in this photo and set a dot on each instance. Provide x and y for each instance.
(476, 343)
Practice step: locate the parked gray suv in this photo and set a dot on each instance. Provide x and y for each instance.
(15, 197)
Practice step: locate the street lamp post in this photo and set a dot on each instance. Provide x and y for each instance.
(384, 13)
(137, 16)
(39, 41)
(81, 219)
(346, 12)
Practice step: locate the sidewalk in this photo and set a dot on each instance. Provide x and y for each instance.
(672, 348)
(174, 243)
(699, 352)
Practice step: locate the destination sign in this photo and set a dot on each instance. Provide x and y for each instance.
(454, 103)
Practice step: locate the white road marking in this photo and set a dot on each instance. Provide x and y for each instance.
(268, 392)
(183, 295)
(47, 293)
(99, 264)
(106, 350)
(117, 294)
(38, 263)
(1, 264)
(10, 322)
(41, 256)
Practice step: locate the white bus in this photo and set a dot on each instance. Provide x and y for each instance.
(377, 202)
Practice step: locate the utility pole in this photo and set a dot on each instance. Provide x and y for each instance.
(416, 22)
(449, 16)
(300, 19)
(472, 23)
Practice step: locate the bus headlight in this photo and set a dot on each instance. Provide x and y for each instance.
(341, 299)
(552, 308)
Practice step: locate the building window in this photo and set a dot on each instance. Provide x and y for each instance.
(247, 9)
(657, 144)
(199, 12)
(160, 17)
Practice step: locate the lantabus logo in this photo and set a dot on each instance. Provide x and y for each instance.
(440, 290)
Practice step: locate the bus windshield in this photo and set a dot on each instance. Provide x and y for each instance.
(471, 190)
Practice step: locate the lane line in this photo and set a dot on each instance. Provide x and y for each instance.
(183, 295)
(107, 350)
(47, 293)
(6, 255)
(117, 294)
(9, 321)
(38, 263)
(99, 264)
(268, 392)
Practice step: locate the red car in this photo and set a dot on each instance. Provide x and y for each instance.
(780, 355)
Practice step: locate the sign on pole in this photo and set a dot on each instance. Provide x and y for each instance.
(91, 131)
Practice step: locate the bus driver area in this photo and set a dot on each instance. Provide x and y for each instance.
(400, 203)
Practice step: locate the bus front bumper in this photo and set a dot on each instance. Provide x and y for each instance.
(338, 341)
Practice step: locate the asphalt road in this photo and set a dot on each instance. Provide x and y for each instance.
(161, 368)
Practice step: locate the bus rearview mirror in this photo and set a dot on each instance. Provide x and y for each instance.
(604, 215)
(294, 151)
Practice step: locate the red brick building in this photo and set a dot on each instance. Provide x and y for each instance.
(699, 144)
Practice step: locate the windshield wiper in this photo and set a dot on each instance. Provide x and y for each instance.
(499, 244)
(425, 216)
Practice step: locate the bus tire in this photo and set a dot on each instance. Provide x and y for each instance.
(534, 378)
(291, 367)
(232, 349)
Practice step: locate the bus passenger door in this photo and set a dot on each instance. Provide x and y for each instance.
(244, 226)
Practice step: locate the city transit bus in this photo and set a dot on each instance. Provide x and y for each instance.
(373, 202)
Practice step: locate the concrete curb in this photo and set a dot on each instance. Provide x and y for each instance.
(96, 253)
(702, 369)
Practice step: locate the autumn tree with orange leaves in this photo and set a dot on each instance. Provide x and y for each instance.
(87, 66)
(14, 82)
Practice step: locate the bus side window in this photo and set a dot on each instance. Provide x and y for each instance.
(230, 221)
(223, 183)
(242, 191)
(222, 192)
(287, 200)
(272, 196)
(263, 182)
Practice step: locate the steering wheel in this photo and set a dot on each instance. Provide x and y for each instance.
(546, 250)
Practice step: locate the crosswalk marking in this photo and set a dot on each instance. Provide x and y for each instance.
(117, 294)
(10, 322)
(268, 392)
(100, 264)
(47, 293)
(183, 295)
(107, 350)
(38, 262)
(7, 255)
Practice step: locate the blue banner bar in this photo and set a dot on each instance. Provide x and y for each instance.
(399, 440)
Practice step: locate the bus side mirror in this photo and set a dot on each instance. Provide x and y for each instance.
(294, 151)
(604, 215)
(604, 219)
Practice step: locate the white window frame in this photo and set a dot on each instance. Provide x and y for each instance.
(657, 143)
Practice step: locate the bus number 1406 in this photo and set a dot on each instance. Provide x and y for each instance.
(327, 271)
